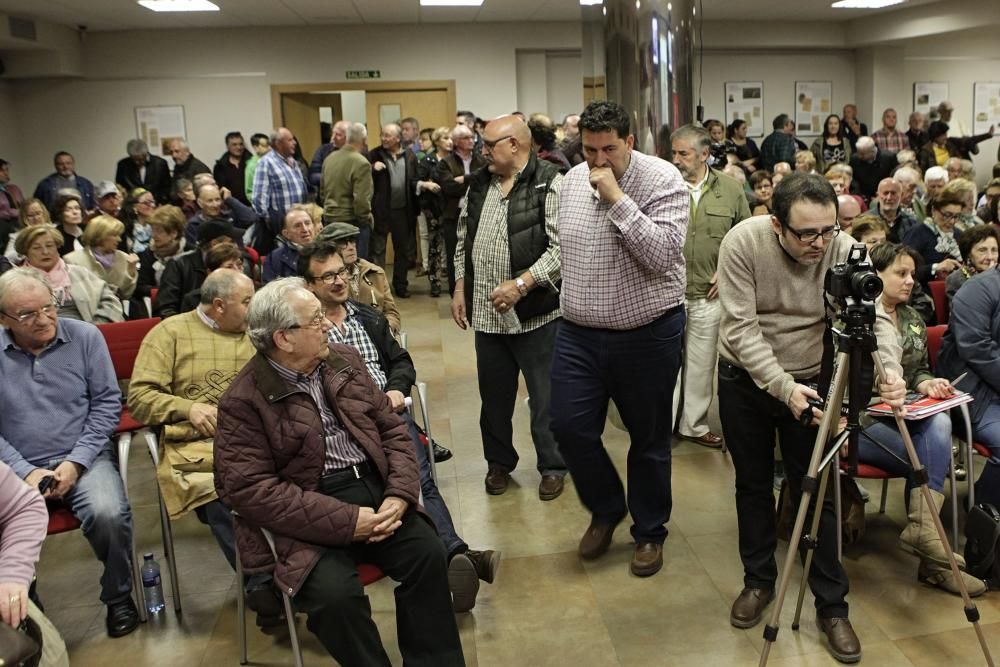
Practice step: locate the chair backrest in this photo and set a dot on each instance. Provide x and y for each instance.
(940, 296)
(124, 339)
(255, 258)
(934, 336)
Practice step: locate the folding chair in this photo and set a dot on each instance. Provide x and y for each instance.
(425, 416)
(940, 296)
(123, 340)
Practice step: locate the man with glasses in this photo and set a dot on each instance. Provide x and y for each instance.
(506, 287)
(61, 403)
(771, 272)
(391, 368)
(309, 448)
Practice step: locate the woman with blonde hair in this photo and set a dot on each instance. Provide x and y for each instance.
(432, 206)
(31, 213)
(100, 254)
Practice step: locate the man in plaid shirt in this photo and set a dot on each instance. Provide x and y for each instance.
(623, 218)
(889, 139)
(277, 184)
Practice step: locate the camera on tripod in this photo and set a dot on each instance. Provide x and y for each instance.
(854, 279)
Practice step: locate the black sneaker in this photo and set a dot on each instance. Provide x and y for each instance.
(268, 604)
(123, 618)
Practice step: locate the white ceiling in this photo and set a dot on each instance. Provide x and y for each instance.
(126, 14)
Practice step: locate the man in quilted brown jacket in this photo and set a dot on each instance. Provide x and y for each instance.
(308, 447)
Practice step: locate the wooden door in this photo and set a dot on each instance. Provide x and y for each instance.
(432, 107)
(300, 114)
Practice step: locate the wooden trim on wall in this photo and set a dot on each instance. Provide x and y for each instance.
(278, 89)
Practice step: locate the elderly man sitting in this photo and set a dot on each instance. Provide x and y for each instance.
(297, 232)
(61, 403)
(309, 448)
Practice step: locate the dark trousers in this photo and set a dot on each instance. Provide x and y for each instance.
(400, 228)
(449, 228)
(499, 359)
(750, 419)
(637, 369)
(434, 504)
(339, 611)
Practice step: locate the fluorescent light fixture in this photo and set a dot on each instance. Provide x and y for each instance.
(865, 4)
(451, 3)
(180, 5)
(587, 3)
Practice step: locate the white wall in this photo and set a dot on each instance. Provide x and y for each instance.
(10, 140)
(779, 71)
(222, 77)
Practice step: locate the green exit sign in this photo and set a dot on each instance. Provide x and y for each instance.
(364, 74)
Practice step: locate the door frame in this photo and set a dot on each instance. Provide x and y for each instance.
(278, 89)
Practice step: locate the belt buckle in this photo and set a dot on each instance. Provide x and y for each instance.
(357, 473)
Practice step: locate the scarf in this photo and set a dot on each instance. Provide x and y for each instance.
(946, 243)
(105, 259)
(58, 279)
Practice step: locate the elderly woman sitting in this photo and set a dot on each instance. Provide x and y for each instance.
(32, 212)
(79, 292)
(979, 246)
(100, 254)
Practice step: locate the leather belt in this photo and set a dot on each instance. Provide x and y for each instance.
(356, 471)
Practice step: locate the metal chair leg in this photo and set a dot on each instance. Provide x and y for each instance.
(954, 504)
(885, 496)
(293, 634)
(426, 417)
(969, 455)
(166, 532)
(124, 447)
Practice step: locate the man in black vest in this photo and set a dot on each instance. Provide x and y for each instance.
(506, 287)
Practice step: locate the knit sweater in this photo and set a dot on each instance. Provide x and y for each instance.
(181, 362)
(773, 315)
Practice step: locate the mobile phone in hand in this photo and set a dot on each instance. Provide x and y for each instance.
(46, 483)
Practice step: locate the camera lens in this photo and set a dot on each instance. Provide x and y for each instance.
(866, 285)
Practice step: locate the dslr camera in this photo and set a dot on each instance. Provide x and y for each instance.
(854, 279)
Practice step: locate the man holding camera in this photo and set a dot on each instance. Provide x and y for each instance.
(771, 274)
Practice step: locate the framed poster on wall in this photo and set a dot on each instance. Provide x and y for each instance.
(928, 94)
(813, 103)
(158, 126)
(985, 106)
(745, 101)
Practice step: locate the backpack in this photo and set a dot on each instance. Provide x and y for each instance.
(982, 546)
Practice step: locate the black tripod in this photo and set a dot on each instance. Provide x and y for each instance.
(857, 359)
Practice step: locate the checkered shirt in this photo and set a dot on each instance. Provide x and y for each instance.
(622, 265)
(354, 334)
(277, 184)
(341, 451)
(491, 257)
(890, 142)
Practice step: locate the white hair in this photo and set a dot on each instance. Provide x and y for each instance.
(19, 278)
(936, 174)
(865, 143)
(356, 133)
(906, 175)
(271, 310)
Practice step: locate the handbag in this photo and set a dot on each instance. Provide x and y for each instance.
(16, 647)
(982, 546)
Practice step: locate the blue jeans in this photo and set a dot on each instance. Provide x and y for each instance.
(987, 431)
(364, 237)
(98, 501)
(931, 439)
(433, 502)
(636, 368)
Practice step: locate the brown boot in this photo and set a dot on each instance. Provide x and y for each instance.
(486, 563)
(920, 537)
(942, 577)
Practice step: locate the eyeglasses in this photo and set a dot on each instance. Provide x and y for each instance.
(490, 145)
(809, 236)
(49, 310)
(146, 202)
(330, 277)
(951, 217)
(315, 323)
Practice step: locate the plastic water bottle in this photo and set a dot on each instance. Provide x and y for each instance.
(151, 587)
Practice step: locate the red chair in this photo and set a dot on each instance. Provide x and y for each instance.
(940, 296)
(123, 340)
(61, 520)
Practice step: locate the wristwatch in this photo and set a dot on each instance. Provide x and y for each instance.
(521, 287)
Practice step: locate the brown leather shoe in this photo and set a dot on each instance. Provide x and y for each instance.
(497, 480)
(551, 487)
(486, 563)
(710, 440)
(841, 641)
(749, 607)
(597, 539)
(463, 583)
(647, 559)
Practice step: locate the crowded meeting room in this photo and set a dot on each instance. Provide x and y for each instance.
(339, 264)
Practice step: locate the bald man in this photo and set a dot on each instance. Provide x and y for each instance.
(848, 209)
(394, 204)
(507, 277)
(886, 205)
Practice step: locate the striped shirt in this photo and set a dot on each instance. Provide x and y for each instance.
(354, 334)
(890, 141)
(623, 264)
(491, 257)
(277, 185)
(341, 451)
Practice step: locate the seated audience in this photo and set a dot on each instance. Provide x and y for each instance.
(972, 345)
(805, 162)
(31, 213)
(100, 254)
(937, 239)
(297, 232)
(391, 369)
(831, 147)
(896, 266)
(136, 212)
(315, 212)
(886, 207)
(910, 190)
(185, 197)
(79, 293)
(11, 199)
(990, 195)
(763, 192)
(108, 198)
(935, 179)
(65, 180)
(367, 281)
(742, 146)
(220, 256)
(979, 247)
(142, 170)
(166, 242)
(23, 523)
(966, 191)
(187, 272)
(907, 158)
(870, 167)
(847, 211)
(216, 204)
(870, 231)
(68, 217)
(58, 424)
(336, 482)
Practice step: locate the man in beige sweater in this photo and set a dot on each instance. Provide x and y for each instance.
(771, 271)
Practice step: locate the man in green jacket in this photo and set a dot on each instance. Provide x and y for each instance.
(717, 203)
(346, 187)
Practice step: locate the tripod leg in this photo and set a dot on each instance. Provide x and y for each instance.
(971, 612)
(810, 540)
(809, 482)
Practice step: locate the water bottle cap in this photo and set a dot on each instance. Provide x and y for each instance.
(148, 556)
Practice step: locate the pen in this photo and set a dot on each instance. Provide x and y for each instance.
(958, 379)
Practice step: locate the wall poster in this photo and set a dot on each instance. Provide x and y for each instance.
(745, 100)
(985, 106)
(928, 95)
(813, 103)
(158, 126)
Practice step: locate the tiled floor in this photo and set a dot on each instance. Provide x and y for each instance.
(547, 607)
